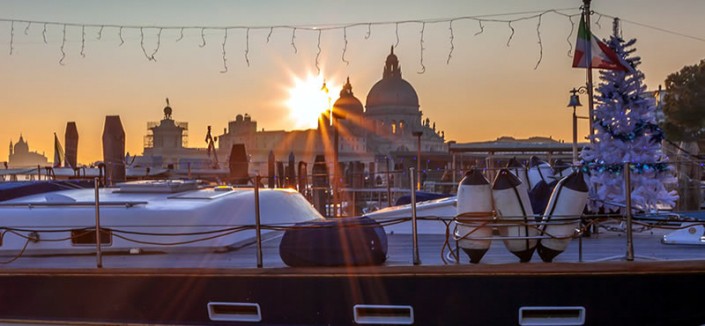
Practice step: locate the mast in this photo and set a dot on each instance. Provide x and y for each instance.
(588, 54)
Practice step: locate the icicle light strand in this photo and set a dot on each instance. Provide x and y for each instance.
(345, 46)
(452, 46)
(83, 41)
(144, 51)
(293, 40)
(12, 36)
(203, 37)
(247, 45)
(538, 34)
(512, 34)
(63, 44)
(181, 35)
(482, 28)
(318, 54)
(423, 68)
(570, 44)
(225, 59)
(503, 18)
(159, 44)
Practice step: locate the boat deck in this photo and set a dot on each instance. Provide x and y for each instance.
(209, 288)
(595, 252)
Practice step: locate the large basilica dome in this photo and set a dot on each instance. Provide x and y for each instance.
(392, 90)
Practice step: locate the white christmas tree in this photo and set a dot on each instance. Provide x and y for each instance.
(626, 131)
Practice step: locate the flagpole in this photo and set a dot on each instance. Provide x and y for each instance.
(588, 55)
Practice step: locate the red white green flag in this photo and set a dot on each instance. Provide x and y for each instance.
(601, 55)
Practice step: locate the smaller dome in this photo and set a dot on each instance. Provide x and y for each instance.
(348, 102)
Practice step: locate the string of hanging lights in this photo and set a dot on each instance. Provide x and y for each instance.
(509, 19)
(156, 31)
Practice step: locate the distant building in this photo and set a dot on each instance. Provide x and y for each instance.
(21, 157)
(165, 146)
(382, 135)
(376, 137)
(379, 136)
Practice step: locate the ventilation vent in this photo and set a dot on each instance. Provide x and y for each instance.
(234, 311)
(383, 314)
(551, 316)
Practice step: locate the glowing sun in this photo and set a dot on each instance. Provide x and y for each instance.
(308, 99)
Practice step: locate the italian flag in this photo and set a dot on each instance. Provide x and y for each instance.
(600, 55)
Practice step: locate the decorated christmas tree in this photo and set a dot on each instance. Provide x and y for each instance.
(626, 130)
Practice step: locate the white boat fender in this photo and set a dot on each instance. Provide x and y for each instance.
(539, 197)
(513, 208)
(561, 169)
(475, 211)
(541, 185)
(539, 170)
(519, 170)
(562, 215)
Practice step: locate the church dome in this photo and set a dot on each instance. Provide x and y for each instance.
(21, 146)
(392, 90)
(348, 102)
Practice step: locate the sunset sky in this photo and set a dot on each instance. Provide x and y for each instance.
(490, 87)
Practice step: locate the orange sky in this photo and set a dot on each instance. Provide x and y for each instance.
(488, 89)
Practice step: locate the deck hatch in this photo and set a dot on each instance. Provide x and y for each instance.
(383, 314)
(551, 315)
(234, 311)
(86, 237)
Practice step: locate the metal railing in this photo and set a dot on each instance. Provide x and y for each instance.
(492, 221)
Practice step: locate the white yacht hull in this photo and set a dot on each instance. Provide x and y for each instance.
(207, 218)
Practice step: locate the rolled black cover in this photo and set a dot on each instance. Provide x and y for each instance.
(352, 241)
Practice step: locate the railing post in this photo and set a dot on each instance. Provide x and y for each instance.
(414, 231)
(258, 226)
(628, 202)
(389, 186)
(99, 252)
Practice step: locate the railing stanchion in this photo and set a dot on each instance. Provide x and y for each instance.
(628, 198)
(258, 226)
(580, 246)
(414, 231)
(98, 251)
